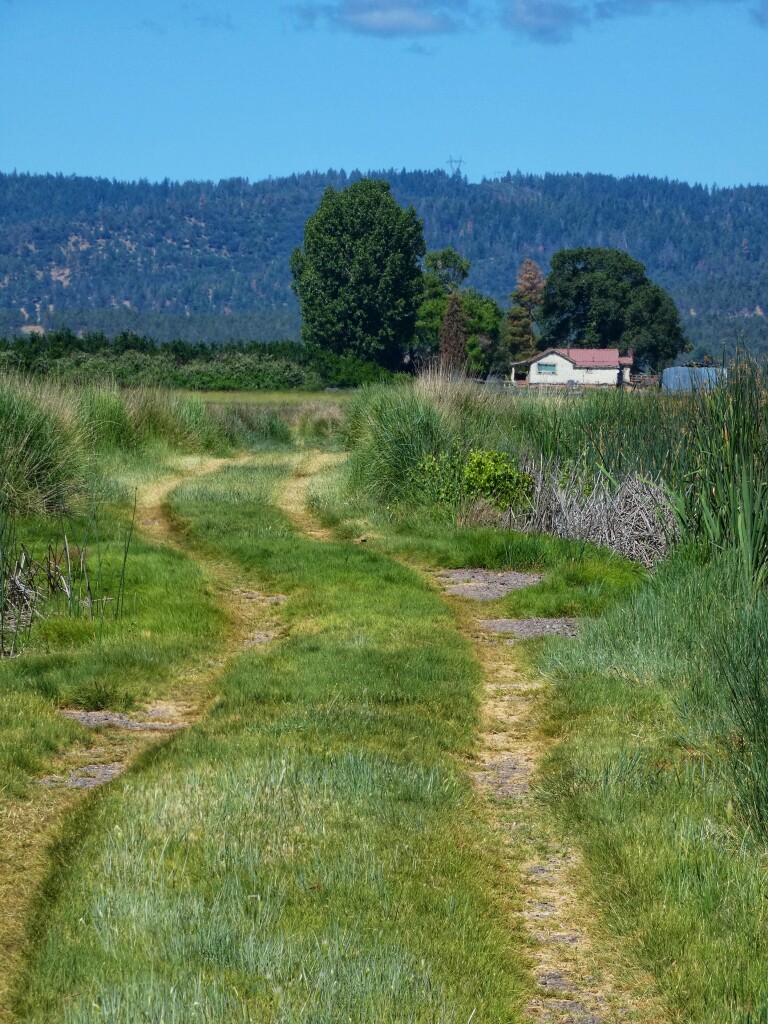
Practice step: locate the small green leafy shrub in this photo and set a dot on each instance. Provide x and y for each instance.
(450, 477)
(492, 475)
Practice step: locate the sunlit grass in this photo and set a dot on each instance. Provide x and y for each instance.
(313, 849)
(273, 398)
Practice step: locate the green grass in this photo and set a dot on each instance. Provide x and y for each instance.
(659, 707)
(579, 578)
(94, 663)
(644, 777)
(313, 850)
(272, 398)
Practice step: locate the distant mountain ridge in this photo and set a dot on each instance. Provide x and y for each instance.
(199, 260)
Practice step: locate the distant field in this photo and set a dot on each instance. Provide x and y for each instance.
(271, 397)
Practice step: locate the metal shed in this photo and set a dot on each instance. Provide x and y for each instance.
(692, 378)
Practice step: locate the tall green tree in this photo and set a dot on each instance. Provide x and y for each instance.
(448, 268)
(453, 336)
(445, 270)
(603, 298)
(357, 277)
(483, 318)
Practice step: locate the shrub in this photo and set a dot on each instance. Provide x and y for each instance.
(491, 475)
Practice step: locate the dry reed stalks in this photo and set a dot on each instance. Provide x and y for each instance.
(633, 517)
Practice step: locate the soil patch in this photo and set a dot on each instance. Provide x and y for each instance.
(483, 584)
(256, 595)
(524, 629)
(87, 777)
(506, 776)
(261, 636)
(96, 719)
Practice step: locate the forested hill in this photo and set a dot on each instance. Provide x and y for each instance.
(210, 261)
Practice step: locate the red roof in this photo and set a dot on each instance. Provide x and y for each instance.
(594, 358)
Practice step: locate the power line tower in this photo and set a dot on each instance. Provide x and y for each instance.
(455, 163)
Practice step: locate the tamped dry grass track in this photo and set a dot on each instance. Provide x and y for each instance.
(28, 827)
(580, 974)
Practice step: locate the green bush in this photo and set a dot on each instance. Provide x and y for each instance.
(491, 475)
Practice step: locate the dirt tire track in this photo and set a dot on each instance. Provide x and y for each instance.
(581, 974)
(28, 828)
(291, 499)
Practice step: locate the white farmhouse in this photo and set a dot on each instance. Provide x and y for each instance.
(580, 366)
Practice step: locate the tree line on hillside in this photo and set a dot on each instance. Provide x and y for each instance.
(374, 301)
(368, 288)
(110, 256)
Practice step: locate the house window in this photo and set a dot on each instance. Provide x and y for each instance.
(547, 368)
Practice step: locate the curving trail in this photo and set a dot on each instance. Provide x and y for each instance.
(292, 499)
(28, 828)
(579, 973)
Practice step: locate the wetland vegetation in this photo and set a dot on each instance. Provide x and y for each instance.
(313, 839)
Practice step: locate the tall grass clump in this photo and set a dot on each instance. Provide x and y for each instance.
(611, 430)
(18, 593)
(723, 496)
(182, 421)
(42, 448)
(409, 441)
(741, 656)
(105, 419)
(661, 769)
(252, 425)
(419, 446)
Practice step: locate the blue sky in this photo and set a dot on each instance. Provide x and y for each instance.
(157, 88)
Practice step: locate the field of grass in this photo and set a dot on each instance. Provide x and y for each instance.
(312, 847)
(328, 396)
(659, 711)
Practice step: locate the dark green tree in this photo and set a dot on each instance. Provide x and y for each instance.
(448, 268)
(358, 278)
(483, 318)
(453, 336)
(520, 339)
(603, 298)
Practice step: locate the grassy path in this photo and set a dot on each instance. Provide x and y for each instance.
(28, 826)
(311, 849)
(329, 842)
(579, 972)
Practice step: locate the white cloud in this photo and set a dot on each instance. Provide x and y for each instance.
(554, 21)
(548, 21)
(386, 17)
(551, 21)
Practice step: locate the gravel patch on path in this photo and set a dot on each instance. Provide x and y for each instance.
(483, 584)
(96, 719)
(87, 777)
(261, 636)
(523, 629)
